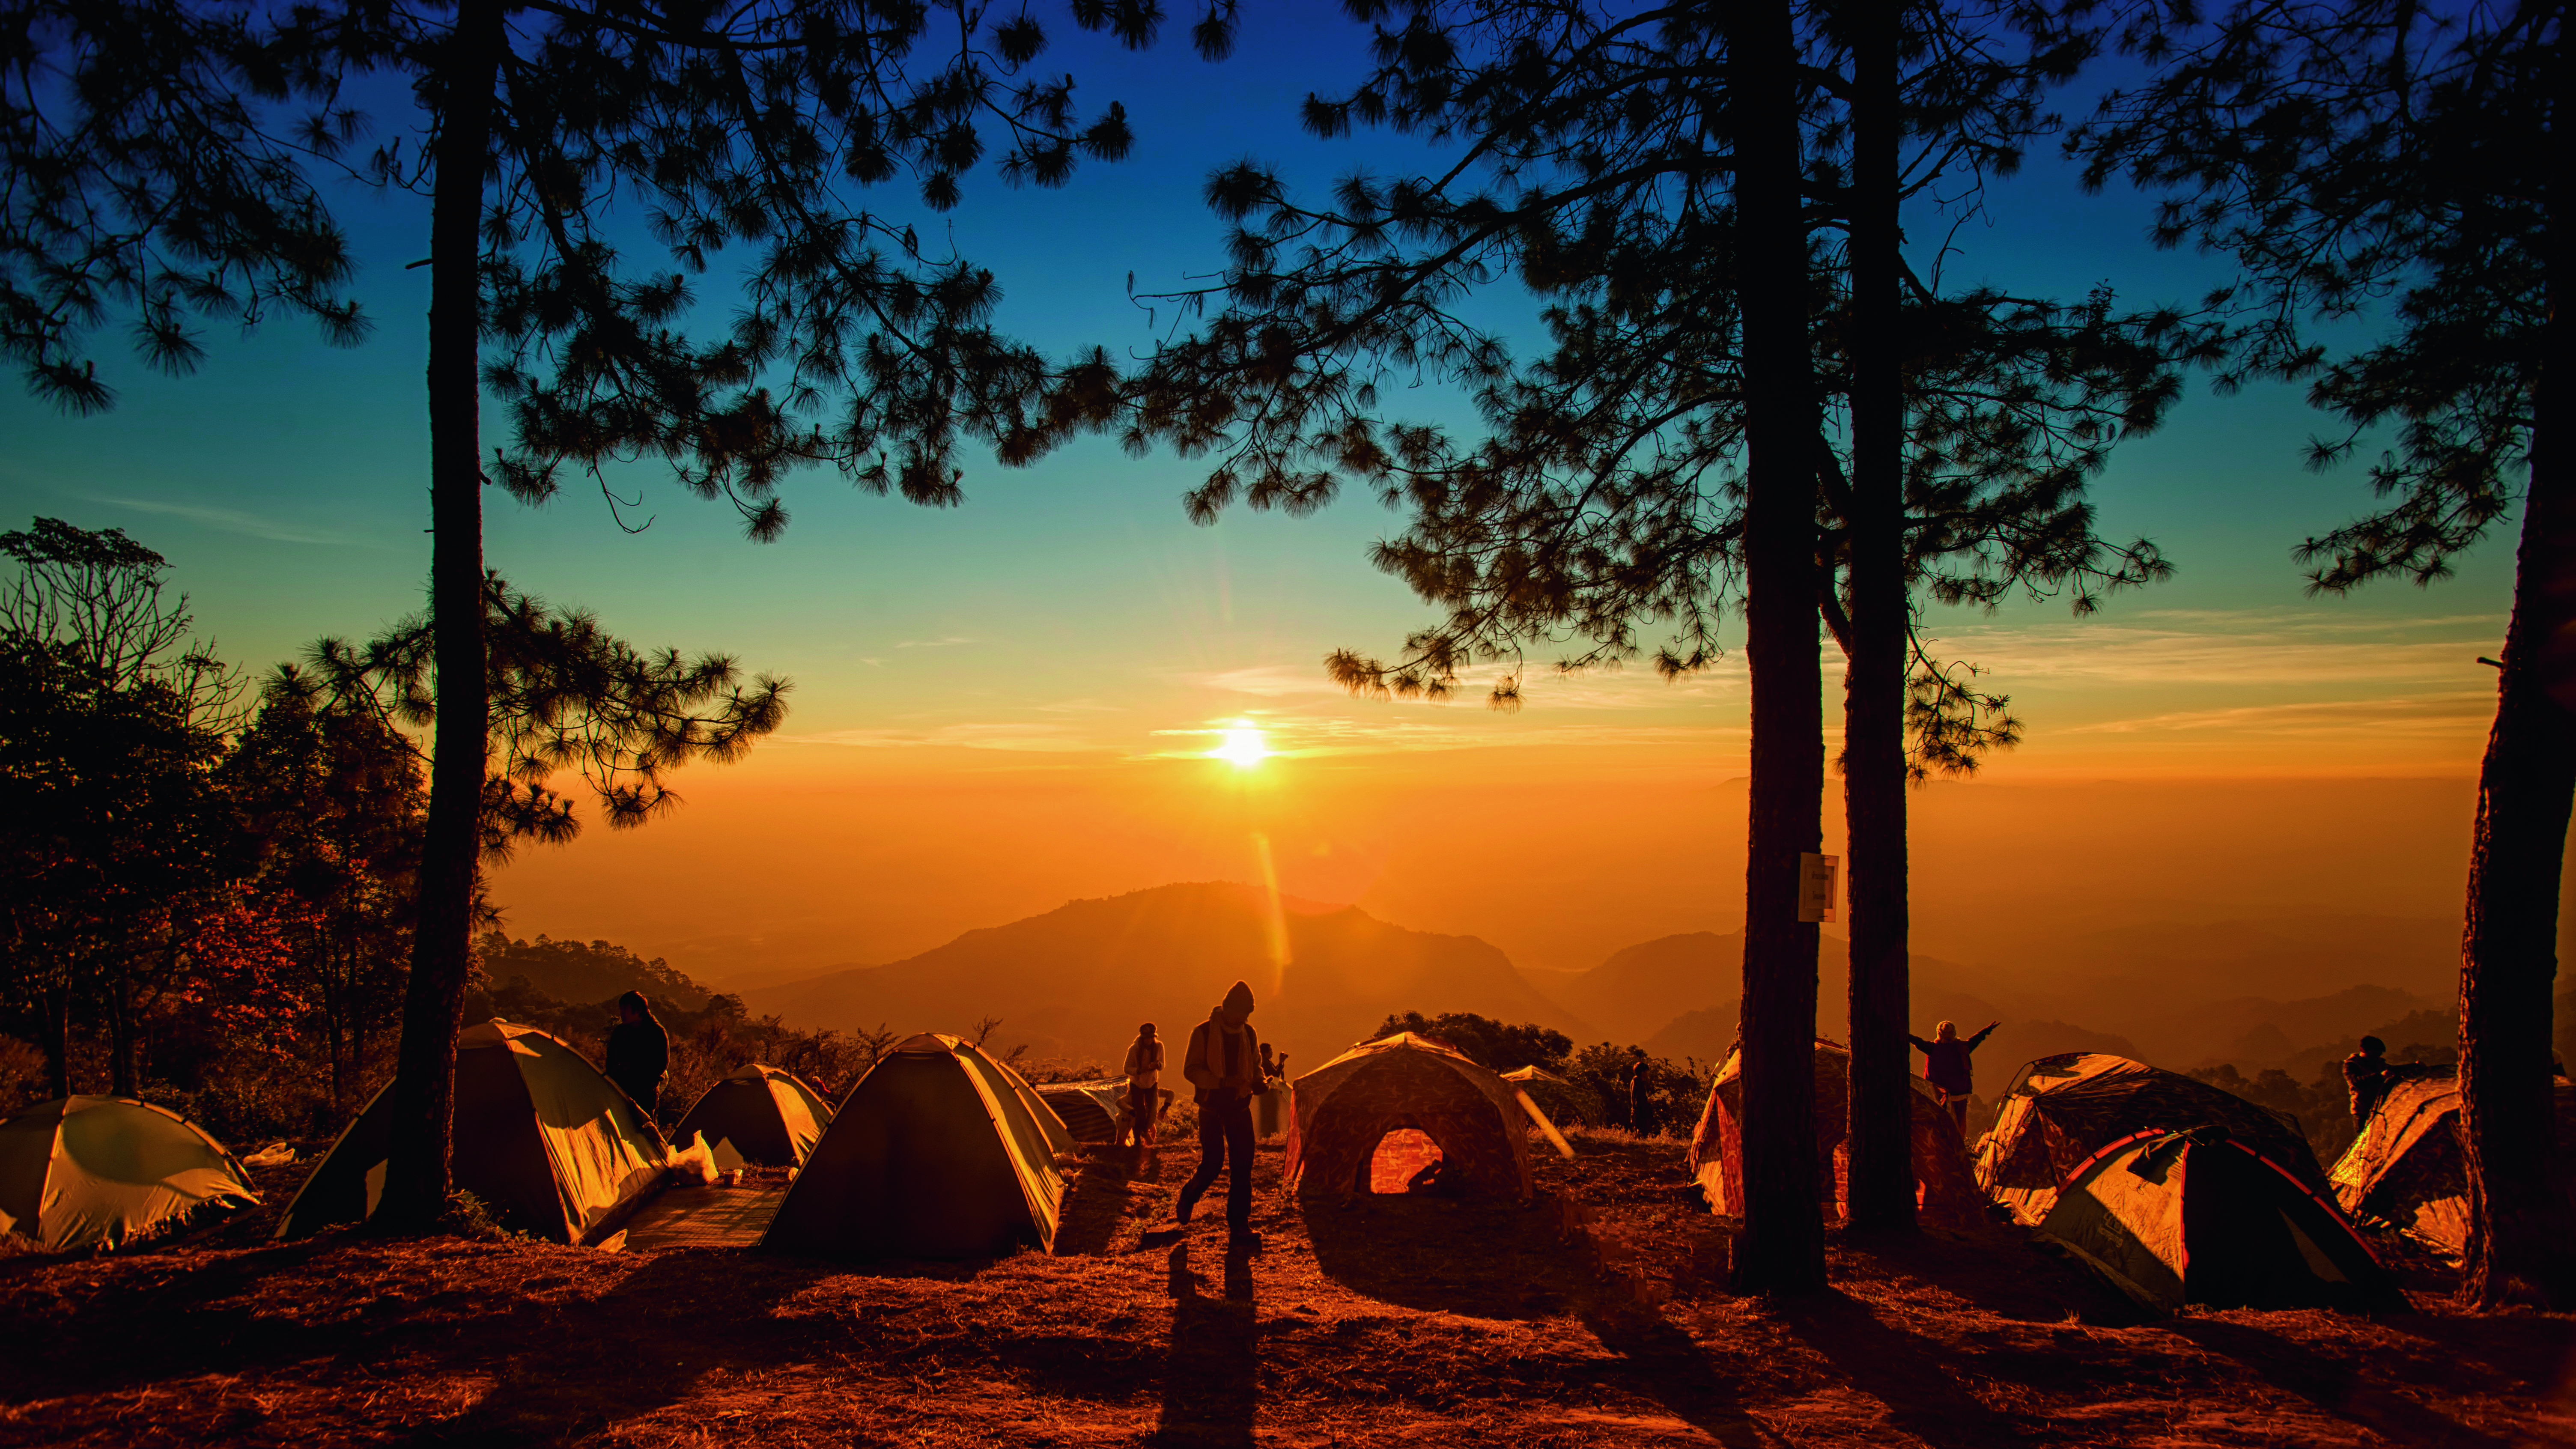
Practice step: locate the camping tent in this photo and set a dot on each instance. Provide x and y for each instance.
(81, 1172)
(1946, 1190)
(1341, 1110)
(940, 1151)
(2061, 1110)
(1089, 1109)
(1565, 1103)
(758, 1115)
(2404, 1167)
(2170, 1218)
(551, 1147)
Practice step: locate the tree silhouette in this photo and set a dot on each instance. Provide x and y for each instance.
(1606, 492)
(112, 832)
(2412, 167)
(172, 179)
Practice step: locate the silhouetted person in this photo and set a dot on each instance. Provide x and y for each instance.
(1641, 1101)
(1223, 1063)
(639, 1052)
(1144, 1071)
(2366, 1075)
(1265, 1104)
(1947, 1065)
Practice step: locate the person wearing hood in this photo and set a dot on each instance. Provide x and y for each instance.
(1223, 1065)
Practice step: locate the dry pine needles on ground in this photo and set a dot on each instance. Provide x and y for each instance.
(1595, 1316)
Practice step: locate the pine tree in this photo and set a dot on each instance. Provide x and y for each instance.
(1605, 493)
(169, 179)
(2412, 167)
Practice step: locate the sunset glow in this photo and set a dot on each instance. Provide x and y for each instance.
(1244, 745)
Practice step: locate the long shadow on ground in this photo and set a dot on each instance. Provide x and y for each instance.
(2335, 1387)
(1919, 1387)
(1481, 1259)
(1211, 1383)
(1998, 1270)
(1663, 1364)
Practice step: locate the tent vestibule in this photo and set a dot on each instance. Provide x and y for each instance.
(758, 1115)
(1342, 1110)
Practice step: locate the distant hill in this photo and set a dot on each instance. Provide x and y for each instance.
(1075, 981)
(585, 975)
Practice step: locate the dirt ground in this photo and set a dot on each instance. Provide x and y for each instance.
(1595, 1316)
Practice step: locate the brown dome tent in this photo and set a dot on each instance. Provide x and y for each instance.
(758, 1115)
(2201, 1217)
(84, 1172)
(1945, 1188)
(2062, 1109)
(940, 1151)
(2404, 1168)
(551, 1147)
(1345, 1107)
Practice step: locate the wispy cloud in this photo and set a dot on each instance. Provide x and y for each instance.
(2445, 714)
(233, 520)
(949, 642)
(1415, 732)
(973, 735)
(2221, 648)
(1542, 686)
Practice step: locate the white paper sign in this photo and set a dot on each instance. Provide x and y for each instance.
(1816, 877)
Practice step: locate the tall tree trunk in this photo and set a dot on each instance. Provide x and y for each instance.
(57, 1029)
(416, 1176)
(2509, 950)
(1782, 1247)
(1881, 1192)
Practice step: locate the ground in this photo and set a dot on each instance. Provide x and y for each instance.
(1595, 1316)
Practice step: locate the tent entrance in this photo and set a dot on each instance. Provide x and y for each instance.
(1398, 1157)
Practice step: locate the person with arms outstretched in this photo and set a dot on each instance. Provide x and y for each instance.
(1946, 1065)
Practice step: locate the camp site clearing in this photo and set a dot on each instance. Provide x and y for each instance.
(1595, 1316)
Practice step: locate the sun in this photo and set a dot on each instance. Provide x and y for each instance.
(1244, 745)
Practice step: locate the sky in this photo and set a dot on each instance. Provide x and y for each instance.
(1003, 705)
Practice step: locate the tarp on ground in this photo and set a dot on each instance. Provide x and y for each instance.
(552, 1147)
(1945, 1187)
(1089, 1109)
(1340, 1111)
(84, 1172)
(2403, 1168)
(758, 1115)
(940, 1151)
(2062, 1109)
(2199, 1217)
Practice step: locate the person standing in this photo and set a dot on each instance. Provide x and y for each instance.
(1223, 1064)
(639, 1052)
(1947, 1065)
(2366, 1076)
(1144, 1072)
(1641, 1101)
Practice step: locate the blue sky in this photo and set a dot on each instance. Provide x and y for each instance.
(1071, 608)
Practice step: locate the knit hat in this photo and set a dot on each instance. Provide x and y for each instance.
(1239, 997)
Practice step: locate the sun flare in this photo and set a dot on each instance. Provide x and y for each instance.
(1244, 745)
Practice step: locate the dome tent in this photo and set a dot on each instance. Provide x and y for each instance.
(1345, 1107)
(1946, 1186)
(940, 1151)
(81, 1172)
(2062, 1109)
(759, 1115)
(552, 1147)
(1089, 1109)
(2403, 1169)
(2201, 1217)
